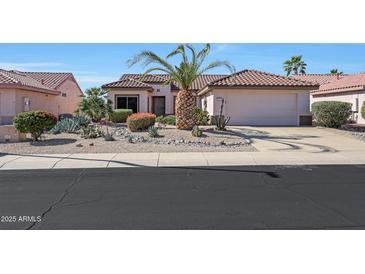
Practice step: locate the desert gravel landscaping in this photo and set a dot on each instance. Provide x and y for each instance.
(170, 140)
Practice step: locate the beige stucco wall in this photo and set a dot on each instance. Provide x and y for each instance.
(73, 97)
(10, 134)
(7, 106)
(12, 102)
(297, 103)
(349, 97)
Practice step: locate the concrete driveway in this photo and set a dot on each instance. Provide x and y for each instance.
(302, 139)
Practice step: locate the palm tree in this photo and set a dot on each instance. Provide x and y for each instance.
(295, 65)
(183, 75)
(95, 104)
(335, 71)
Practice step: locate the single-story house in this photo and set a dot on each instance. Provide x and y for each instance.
(251, 97)
(55, 92)
(344, 88)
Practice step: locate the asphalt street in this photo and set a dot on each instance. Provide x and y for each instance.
(246, 197)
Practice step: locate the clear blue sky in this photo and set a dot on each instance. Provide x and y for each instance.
(96, 64)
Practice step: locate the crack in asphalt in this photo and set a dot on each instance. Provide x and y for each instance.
(85, 202)
(334, 211)
(65, 193)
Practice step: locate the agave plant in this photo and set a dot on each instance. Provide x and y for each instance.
(190, 67)
(70, 125)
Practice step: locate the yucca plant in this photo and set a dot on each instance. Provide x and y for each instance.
(190, 67)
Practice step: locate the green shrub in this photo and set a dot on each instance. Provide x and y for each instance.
(197, 132)
(202, 117)
(153, 131)
(71, 125)
(120, 115)
(140, 121)
(331, 113)
(363, 110)
(167, 120)
(34, 122)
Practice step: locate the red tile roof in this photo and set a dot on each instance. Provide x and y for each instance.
(128, 83)
(255, 78)
(149, 78)
(50, 79)
(43, 81)
(17, 79)
(125, 81)
(354, 82)
(319, 78)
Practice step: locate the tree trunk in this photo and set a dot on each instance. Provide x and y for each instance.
(185, 110)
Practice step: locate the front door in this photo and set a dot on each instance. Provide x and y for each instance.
(158, 105)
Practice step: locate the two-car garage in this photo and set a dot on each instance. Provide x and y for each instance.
(259, 99)
(262, 108)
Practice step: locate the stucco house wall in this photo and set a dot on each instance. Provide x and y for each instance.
(12, 102)
(355, 98)
(70, 102)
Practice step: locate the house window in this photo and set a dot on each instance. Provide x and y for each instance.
(130, 102)
(63, 94)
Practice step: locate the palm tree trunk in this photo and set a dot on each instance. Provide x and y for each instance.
(185, 110)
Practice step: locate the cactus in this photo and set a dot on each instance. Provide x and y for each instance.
(197, 132)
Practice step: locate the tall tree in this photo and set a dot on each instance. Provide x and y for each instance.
(335, 71)
(295, 65)
(192, 65)
(95, 104)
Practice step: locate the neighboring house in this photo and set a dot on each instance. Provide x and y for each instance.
(251, 97)
(23, 91)
(344, 88)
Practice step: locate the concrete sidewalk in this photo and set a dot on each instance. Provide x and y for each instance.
(111, 160)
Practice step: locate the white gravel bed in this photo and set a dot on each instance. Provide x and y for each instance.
(73, 143)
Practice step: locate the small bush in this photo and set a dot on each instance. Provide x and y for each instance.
(363, 110)
(140, 121)
(167, 120)
(331, 113)
(120, 115)
(34, 122)
(91, 132)
(197, 132)
(153, 131)
(71, 125)
(202, 117)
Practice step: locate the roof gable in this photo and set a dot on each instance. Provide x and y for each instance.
(42, 81)
(50, 79)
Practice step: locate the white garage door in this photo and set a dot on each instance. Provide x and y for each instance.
(277, 109)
